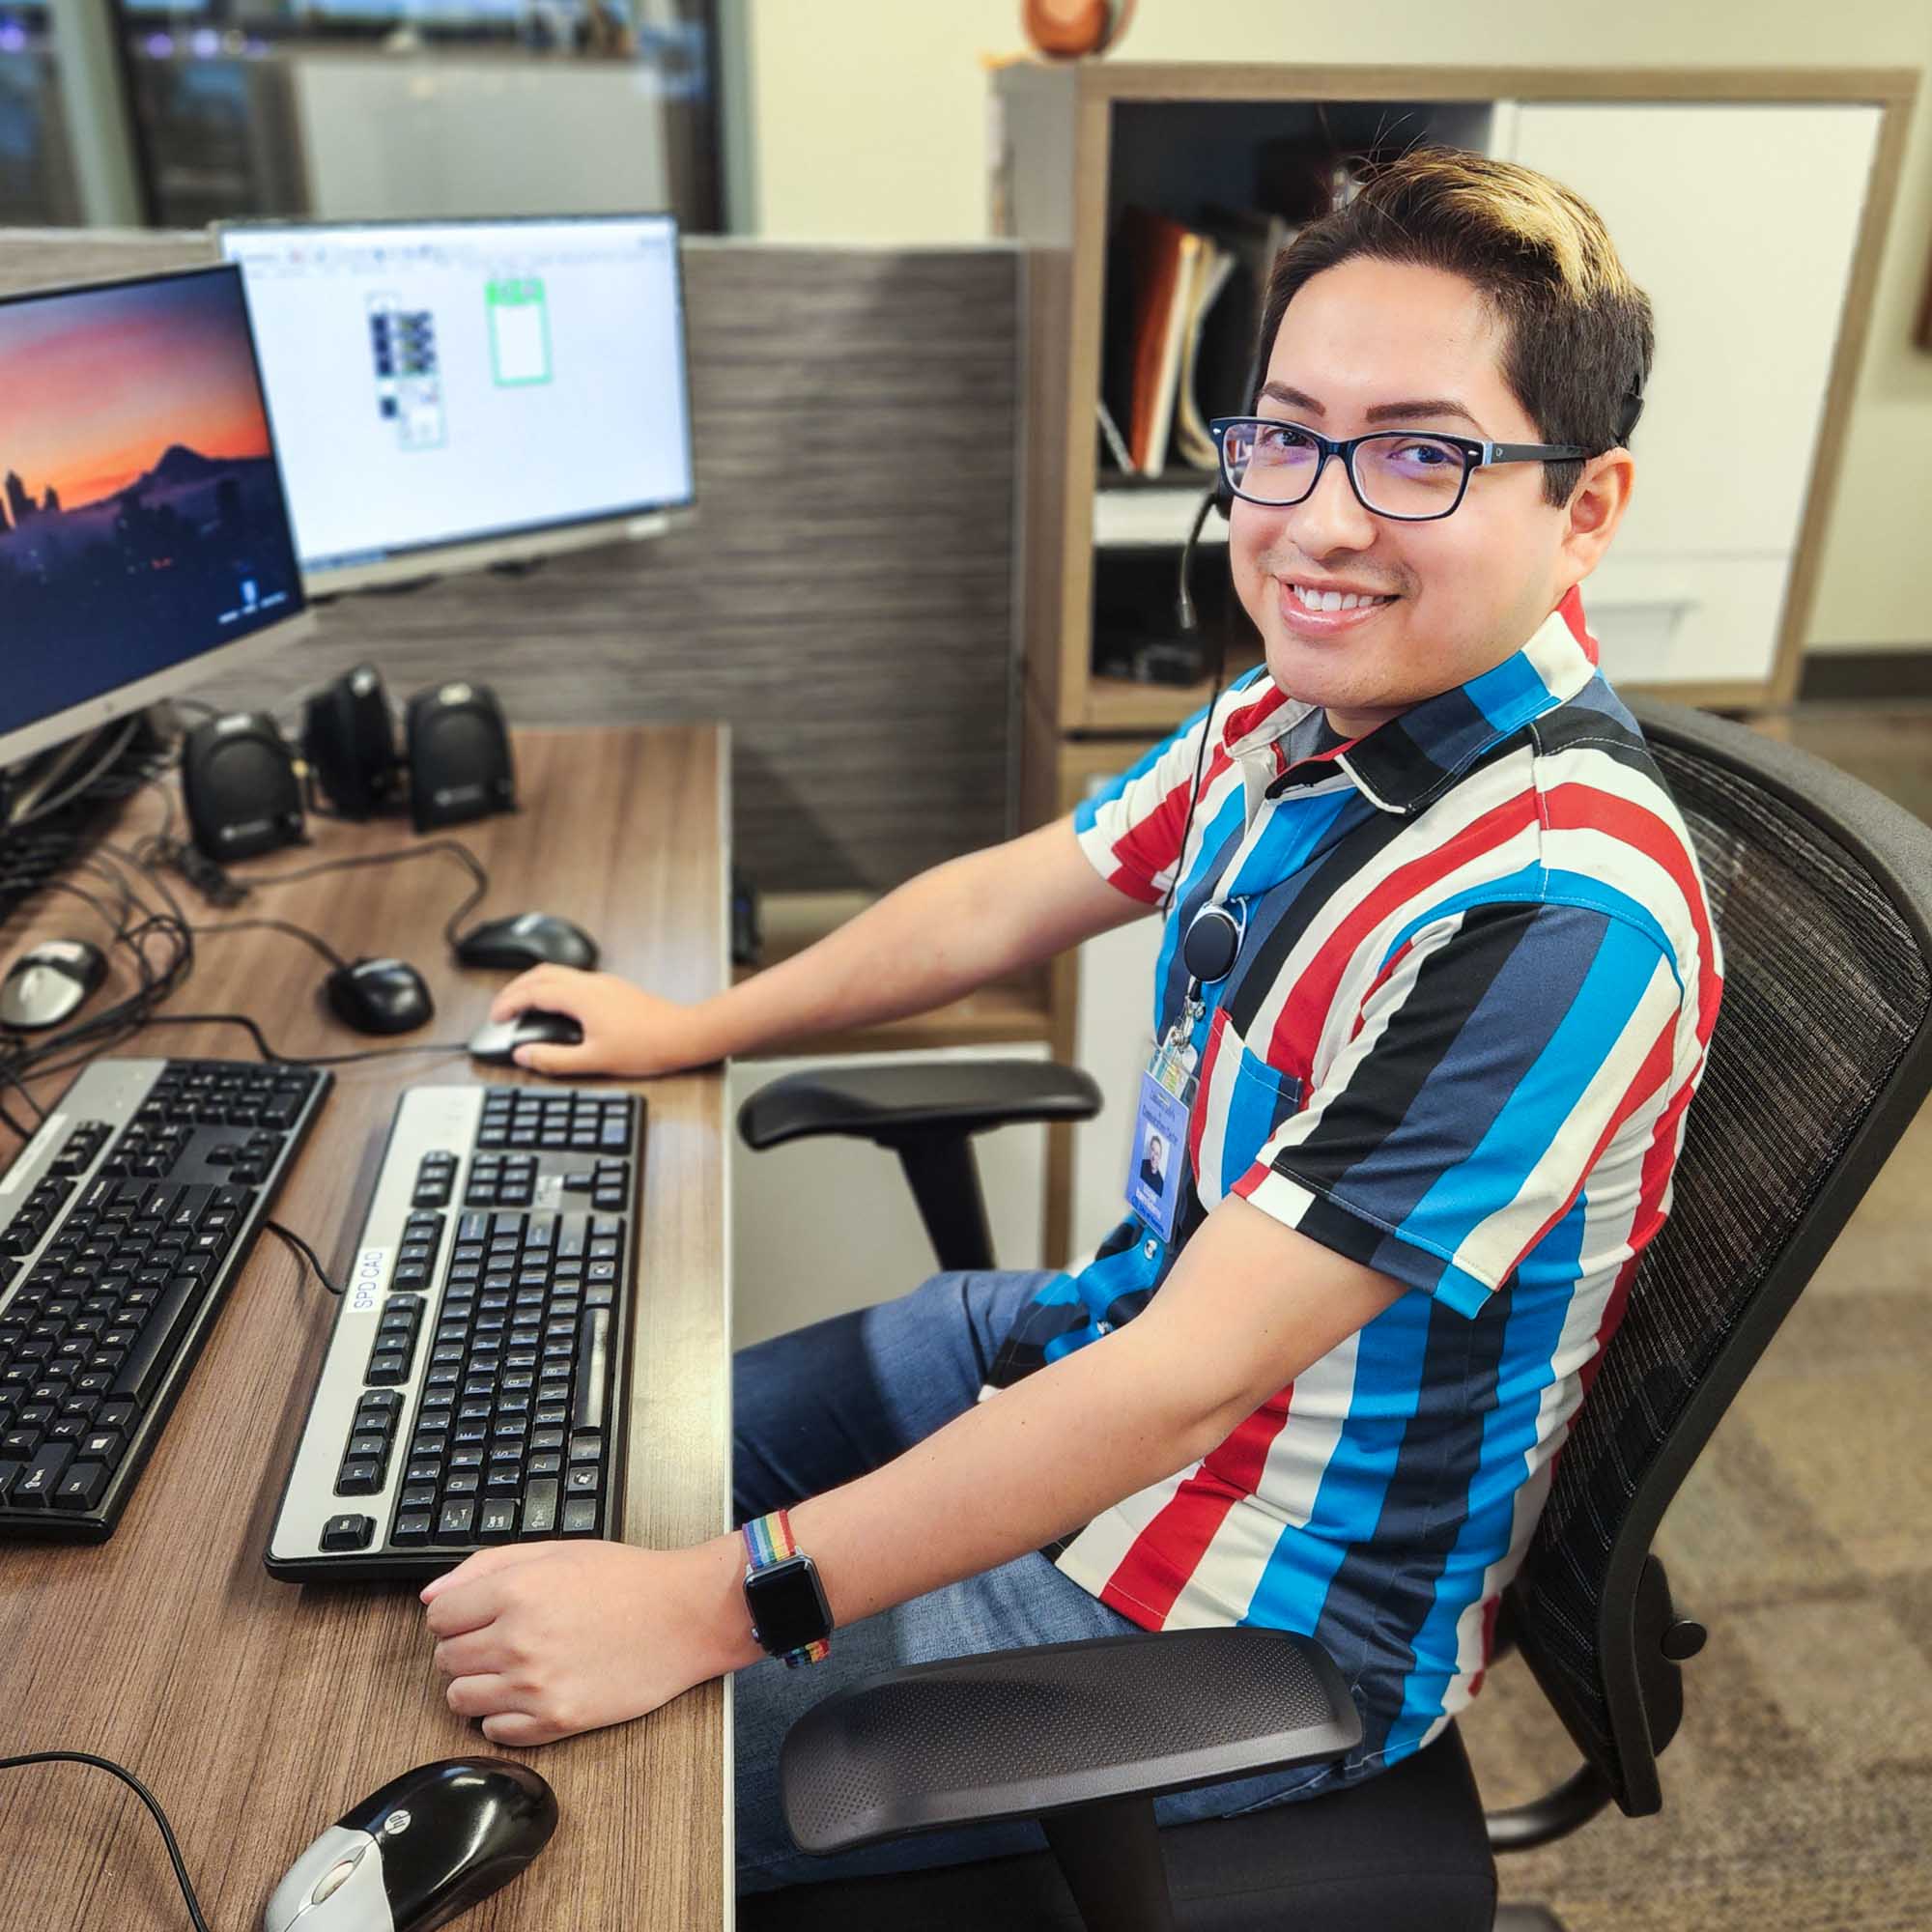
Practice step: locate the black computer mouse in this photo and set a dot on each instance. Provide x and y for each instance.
(527, 939)
(427, 1846)
(498, 1040)
(49, 981)
(378, 996)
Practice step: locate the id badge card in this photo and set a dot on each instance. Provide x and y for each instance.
(1159, 1157)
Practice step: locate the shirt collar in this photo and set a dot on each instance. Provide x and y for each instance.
(1403, 766)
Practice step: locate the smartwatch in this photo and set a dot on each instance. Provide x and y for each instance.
(790, 1617)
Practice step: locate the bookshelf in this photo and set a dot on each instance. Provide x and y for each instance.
(1708, 595)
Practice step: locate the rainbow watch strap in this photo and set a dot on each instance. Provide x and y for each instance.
(768, 1540)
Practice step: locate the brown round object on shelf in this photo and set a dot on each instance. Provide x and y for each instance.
(1066, 29)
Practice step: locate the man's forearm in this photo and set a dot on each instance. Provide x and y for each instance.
(1032, 1464)
(1048, 1455)
(932, 940)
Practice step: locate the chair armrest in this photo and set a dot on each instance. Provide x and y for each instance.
(1017, 1733)
(892, 1104)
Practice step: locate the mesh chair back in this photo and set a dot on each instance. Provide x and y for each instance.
(1821, 892)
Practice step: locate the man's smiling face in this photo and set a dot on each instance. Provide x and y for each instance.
(1371, 345)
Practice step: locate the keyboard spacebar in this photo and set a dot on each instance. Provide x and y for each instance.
(148, 1361)
(593, 1335)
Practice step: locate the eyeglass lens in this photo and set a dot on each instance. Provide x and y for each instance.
(1400, 474)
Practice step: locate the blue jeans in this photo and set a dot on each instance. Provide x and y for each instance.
(818, 1407)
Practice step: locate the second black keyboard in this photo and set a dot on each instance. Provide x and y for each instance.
(123, 1224)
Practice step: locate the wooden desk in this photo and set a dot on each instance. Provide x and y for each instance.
(256, 1712)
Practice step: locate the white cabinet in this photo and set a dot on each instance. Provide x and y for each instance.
(1738, 222)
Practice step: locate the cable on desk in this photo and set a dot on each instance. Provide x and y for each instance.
(268, 1052)
(304, 1252)
(146, 1797)
(313, 940)
(452, 848)
(139, 929)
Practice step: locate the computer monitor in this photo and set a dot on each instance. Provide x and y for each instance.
(451, 394)
(144, 537)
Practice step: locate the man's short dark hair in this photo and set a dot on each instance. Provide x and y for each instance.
(1579, 335)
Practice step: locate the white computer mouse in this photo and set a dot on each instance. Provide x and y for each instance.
(49, 981)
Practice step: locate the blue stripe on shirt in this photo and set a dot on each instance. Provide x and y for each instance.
(1535, 1326)
(1544, 1096)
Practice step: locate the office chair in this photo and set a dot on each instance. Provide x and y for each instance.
(1821, 1055)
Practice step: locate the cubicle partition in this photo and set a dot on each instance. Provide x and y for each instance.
(842, 598)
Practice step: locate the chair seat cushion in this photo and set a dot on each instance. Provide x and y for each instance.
(1406, 1851)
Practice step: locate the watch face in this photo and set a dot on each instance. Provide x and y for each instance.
(788, 1606)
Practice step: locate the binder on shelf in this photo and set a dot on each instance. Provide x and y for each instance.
(1192, 445)
(1159, 258)
(1231, 327)
(1117, 443)
(1183, 309)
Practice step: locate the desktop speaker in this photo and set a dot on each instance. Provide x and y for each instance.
(349, 744)
(239, 782)
(459, 753)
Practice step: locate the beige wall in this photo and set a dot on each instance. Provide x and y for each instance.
(868, 121)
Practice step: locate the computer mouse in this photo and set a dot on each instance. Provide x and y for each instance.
(527, 939)
(427, 1846)
(498, 1040)
(49, 981)
(378, 996)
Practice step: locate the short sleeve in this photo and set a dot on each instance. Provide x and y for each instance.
(1132, 829)
(1504, 1055)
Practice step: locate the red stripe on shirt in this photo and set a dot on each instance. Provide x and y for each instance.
(1307, 1005)
(1650, 1076)
(1570, 610)
(1217, 1028)
(1151, 844)
(1576, 806)
(1659, 1161)
(1167, 1552)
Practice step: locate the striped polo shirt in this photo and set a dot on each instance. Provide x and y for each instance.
(1470, 1007)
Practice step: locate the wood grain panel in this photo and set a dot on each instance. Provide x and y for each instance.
(258, 1712)
(844, 595)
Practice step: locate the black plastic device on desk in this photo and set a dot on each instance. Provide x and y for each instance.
(127, 1217)
(474, 1388)
(419, 1852)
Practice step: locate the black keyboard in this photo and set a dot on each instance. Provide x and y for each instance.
(474, 1386)
(126, 1218)
(49, 847)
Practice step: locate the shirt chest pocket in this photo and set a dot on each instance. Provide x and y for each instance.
(1241, 1102)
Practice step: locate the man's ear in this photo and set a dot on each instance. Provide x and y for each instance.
(1595, 509)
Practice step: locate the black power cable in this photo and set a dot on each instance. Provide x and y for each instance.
(1190, 624)
(310, 939)
(453, 848)
(304, 1252)
(146, 1797)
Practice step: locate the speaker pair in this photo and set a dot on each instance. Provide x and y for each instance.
(455, 763)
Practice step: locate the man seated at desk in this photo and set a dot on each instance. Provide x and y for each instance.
(1436, 982)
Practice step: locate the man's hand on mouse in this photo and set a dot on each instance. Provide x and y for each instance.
(541, 1640)
(626, 1029)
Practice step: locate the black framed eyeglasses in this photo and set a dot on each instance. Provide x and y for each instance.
(1411, 476)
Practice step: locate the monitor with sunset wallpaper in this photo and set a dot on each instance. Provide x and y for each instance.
(142, 521)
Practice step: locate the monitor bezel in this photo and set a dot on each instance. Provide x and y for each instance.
(90, 714)
(520, 543)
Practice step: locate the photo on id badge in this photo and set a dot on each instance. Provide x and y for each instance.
(1159, 1158)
